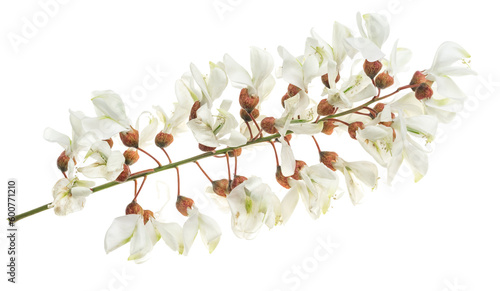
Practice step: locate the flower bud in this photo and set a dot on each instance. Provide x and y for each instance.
(372, 68)
(183, 203)
(110, 142)
(205, 148)
(325, 108)
(134, 208)
(245, 116)
(130, 138)
(62, 162)
(353, 127)
(163, 139)
(267, 125)
(298, 166)
(235, 152)
(328, 127)
(282, 180)
(124, 175)
(146, 215)
(237, 180)
(379, 107)
(424, 91)
(324, 80)
(284, 98)
(288, 138)
(220, 187)
(131, 156)
(293, 90)
(419, 78)
(194, 108)
(328, 158)
(248, 102)
(383, 80)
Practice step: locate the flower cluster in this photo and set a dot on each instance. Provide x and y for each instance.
(350, 84)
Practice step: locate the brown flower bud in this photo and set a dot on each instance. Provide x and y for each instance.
(147, 215)
(284, 98)
(325, 108)
(328, 158)
(419, 78)
(324, 80)
(205, 148)
(221, 187)
(62, 162)
(379, 107)
(235, 152)
(124, 175)
(372, 68)
(384, 80)
(110, 142)
(267, 125)
(282, 180)
(130, 138)
(194, 109)
(237, 180)
(298, 166)
(328, 127)
(245, 116)
(163, 139)
(288, 138)
(353, 127)
(131, 156)
(293, 90)
(424, 91)
(248, 102)
(183, 203)
(134, 208)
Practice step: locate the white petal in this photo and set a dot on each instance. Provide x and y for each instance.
(377, 28)
(367, 48)
(217, 81)
(210, 232)
(448, 88)
(54, 136)
(289, 202)
(287, 159)
(203, 133)
(237, 74)
(235, 139)
(198, 77)
(80, 191)
(262, 64)
(140, 243)
(120, 232)
(292, 69)
(417, 160)
(190, 230)
(171, 233)
(340, 33)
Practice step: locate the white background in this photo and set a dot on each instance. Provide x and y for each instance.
(439, 234)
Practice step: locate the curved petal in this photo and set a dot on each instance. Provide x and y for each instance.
(210, 232)
(237, 74)
(54, 136)
(120, 232)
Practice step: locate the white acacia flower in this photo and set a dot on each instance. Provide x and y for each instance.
(142, 235)
(70, 193)
(337, 51)
(214, 132)
(108, 165)
(446, 64)
(81, 140)
(317, 187)
(356, 88)
(299, 71)
(111, 115)
(373, 35)
(261, 82)
(252, 205)
(377, 140)
(294, 106)
(398, 61)
(199, 87)
(175, 122)
(148, 132)
(405, 148)
(209, 230)
(358, 175)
